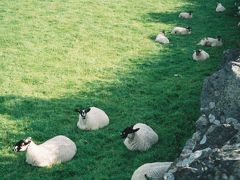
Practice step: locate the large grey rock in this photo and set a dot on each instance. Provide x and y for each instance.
(221, 92)
(213, 152)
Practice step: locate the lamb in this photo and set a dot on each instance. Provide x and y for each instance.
(92, 118)
(200, 55)
(161, 38)
(182, 30)
(139, 137)
(186, 15)
(212, 42)
(151, 171)
(54, 151)
(220, 7)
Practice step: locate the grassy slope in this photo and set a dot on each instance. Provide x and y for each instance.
(57, 55)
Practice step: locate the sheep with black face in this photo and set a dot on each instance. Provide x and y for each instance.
(212, 42)
(200, 55)
(186, 15)
(150, 171)
(139, 137)
(92, 118)
(182, 30)
(161, 38)
(54, 151)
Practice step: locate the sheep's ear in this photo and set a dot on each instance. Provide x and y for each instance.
(87, 110)
(135, 130)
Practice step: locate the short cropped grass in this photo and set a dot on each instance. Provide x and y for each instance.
(59, 55)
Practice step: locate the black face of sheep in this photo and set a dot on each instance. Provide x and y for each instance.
(189, 28)
(21, 145)
(163, 31)
(83, 112)
(128, 130)
(198, 52)
(190, 12)
(219, 38)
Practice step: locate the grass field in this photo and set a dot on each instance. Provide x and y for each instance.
(59, 55)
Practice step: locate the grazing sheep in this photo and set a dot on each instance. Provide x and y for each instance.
(200, 55)
(139, 137)
(54, 151)
(220, 7)
(212, 42)
(186, 15)
(151, 171)
(92, 118)
(182, 30)
(161, 38)
(239, 24)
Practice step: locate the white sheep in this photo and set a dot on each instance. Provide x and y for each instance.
(238, 24)
(200, 55)
(212, 42)
(139, 137)
(151, 171)
(220, 7)
(161, 38)
(54, 151)
(181, 30)
(92, 118)
(186, 15)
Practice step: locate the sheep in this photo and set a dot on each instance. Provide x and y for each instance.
(181, 30)
(54, 151)
(238, 24)
(186, 15)
(139, 137)
(92, 118)
(161, 38)
(220, 7)
(200, 55)
(154, 170)
(212, 42)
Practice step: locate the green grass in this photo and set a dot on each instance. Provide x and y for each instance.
(58, 55)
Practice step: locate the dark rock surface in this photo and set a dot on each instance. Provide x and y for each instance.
(213, 152)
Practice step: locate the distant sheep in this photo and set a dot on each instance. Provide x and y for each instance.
(161, 38)
(139, 137)
(212, 42)
(151, 171)
(54, 151)
(182, 30)
(200, 55)
(92, 118)
(220, 7)
(186, 15)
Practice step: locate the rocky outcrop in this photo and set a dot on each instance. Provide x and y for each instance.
(213, 152)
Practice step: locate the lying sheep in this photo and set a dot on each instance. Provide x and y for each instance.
(139, 137)
(182, 30)
(151, 171)
(212, 42)
(200, 55)
(54, 151)
(220, 7)
(92, 118)
(161, 38)
(186, 15)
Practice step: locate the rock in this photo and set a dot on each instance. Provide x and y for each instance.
(213, 152)
(222, 88)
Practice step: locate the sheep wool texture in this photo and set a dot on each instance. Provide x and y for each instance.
(180, 31)
(95, 119)
(220, 8)
(185, 15)
(141, 140)
(208, 41)
(151, 170)
(161, 38)
(203, 56)
(54, 151)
